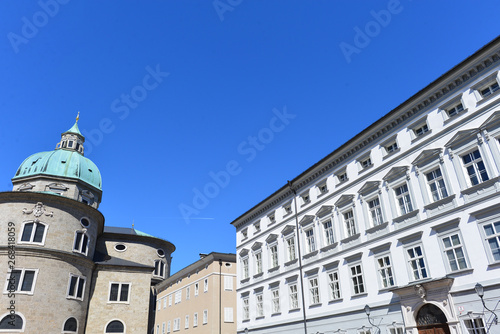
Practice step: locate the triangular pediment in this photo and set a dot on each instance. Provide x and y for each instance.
(427, 156)
(288, 229)
(461, 136)
(306, 220)
(492, 122)
(369, 187)
(243, 252)
(396, 173)
(257, 245)
(344, 200)
(271, 238)
(324, 210)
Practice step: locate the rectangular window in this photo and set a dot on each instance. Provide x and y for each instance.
(403, 199)
(305, 198)
(178, 296)
(228, 314)
(228, 283)
(358, 284)
(310, 242)
(487, 91)
(492, 232)
(375, 211)
(205, 317)
(163, 328)
(257, 227)
(294, 300)
(188, 292)
(259, 305)
(323, 189)
(334, 284)
(314, 291)
(475, 326)
(290, 249)
(170, 300)
(21, 281)
(81, 242)
(396, 330)
(246, 309)
(258, 263)
(436, 184)
(475, 167)
(195, 319)
(421, 130)
(454, 252)
(366, 163)
(159, 268)
(119, 292)
(416, 262)
(272, 218)
(392, 147)
(177, 324)
(342, 177)
(274, 256)
(384, 267)
(455, 110)
(196, 289)
(328, 229)
(205, 282)
(168, 326)
(33, 233)
(288, 209)
(244, 263)
(165, 302)
(350, 225)
(186, 322)
(76, 287)
(276, 300)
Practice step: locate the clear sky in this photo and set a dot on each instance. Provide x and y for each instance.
(195, 111)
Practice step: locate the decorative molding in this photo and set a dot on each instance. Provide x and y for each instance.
(38, 210)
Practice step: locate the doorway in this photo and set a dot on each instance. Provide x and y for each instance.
(431, 320)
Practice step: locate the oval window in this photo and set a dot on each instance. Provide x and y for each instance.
(120, 247)
(160, 252)
(85, 222)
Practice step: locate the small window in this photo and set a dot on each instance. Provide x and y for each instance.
(10, 324)
(244, 234)
(33, 233)
(259, 305)
(391, 148)
(272, 218)
(115, 326)
(455, 110)
(205, 317)
(306, 199)
(85, 222)
(475, 326)
(257, 227)
(70, 326)
(358, 283)
(323, 189)
(119, 292)
(76, 287)
(365, 163)
(288, 209)
(160, 252)
(489, 90)
(342, 177)
(196, 289)
(205, 285)
(421, 130)
(120, 247)
(70, 143)
(159, 269)
(21, 281)
(334, 285)
(81, 242)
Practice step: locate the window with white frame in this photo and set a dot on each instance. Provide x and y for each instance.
(290, 248)
(195, 319)
(416, 262)
(474, 165)
(205, 317)
(178, 296)
(365, 162)
(168, 326)
(259, 305)
(396, 330)
(314, 291)
(391, 147)
(364, 331)
(305, 198)
(455, 109)
(420, 129)
(436, 184)
(489, 89)
(81, 242)
(119, 292)
(492, 238)
(454, 251)
(358, 284)
(159, 268)
(258, 262)
(196, 288)
(287, 208)
(177, 324)
(246, 308)
(272, 218)
(163, 328)
(188, 292)
(275, 300)
(334, 285)
(205, 281)
(228, 314)
(228, 283)
(186, 322)
(322, 188)
(34, 233)
(244, 234)
(402, 198)
(384, 268)
(293, 296)
(76, 287)
(328, 232)
(349, 223)
(20, 280)
(256, 227)
(164, 302)
(475, 326)
(273, 251)
(244, 268)
(310, 241)
(170, 300)
(375, 211)
(342, 177)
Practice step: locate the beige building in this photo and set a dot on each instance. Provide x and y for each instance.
(64, 270)
(200, 298)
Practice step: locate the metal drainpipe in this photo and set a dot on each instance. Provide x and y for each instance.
(220, 296)
(300, 257)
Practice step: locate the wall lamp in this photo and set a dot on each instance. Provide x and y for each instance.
(246, 330)
(480, 292)
(367, 311)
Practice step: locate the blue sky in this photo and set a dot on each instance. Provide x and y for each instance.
(227, 98)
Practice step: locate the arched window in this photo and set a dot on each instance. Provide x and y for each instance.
(70, 326)
(12, 322)
(115, 326)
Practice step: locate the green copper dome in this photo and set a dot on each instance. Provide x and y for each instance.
(63, 163)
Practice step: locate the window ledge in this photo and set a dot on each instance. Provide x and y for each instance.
(261, 317)
(305, 203)
(275, 314)
(343, 182)
(387, 289)
(294, 310)
(406, 216)
(359, 295)
(273, 269)
(417, 138)
(377, 228)
(351, 238)
(454, 117)
(481, 185)
(440, 202)
(490, 266)
(289, 263)
(287, 214)
(329, 247)
(333, 301)
(388, 155)
(258, 275)
(315, 305)
(245, 280)
(460, 272)
(311, 254)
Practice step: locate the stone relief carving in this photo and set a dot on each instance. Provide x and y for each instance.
(420, 291)
(38, 210)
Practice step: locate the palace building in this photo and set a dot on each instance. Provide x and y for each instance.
(64, 270)
(396, 231)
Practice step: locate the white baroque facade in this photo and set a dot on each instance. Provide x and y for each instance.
(404, 218)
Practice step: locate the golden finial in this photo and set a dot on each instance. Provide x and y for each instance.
(132, 224)
(77, 117)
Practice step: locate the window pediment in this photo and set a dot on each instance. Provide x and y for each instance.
(272, 237)
(25, 186)
(461, 137)
(427, 156)
(288, 229)
(306, 220)
(369, 187)
(354, 257)
(256, 245)
(396, 173)
(344, 200)
(324, 210)
(244, 252)
(492, 122)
